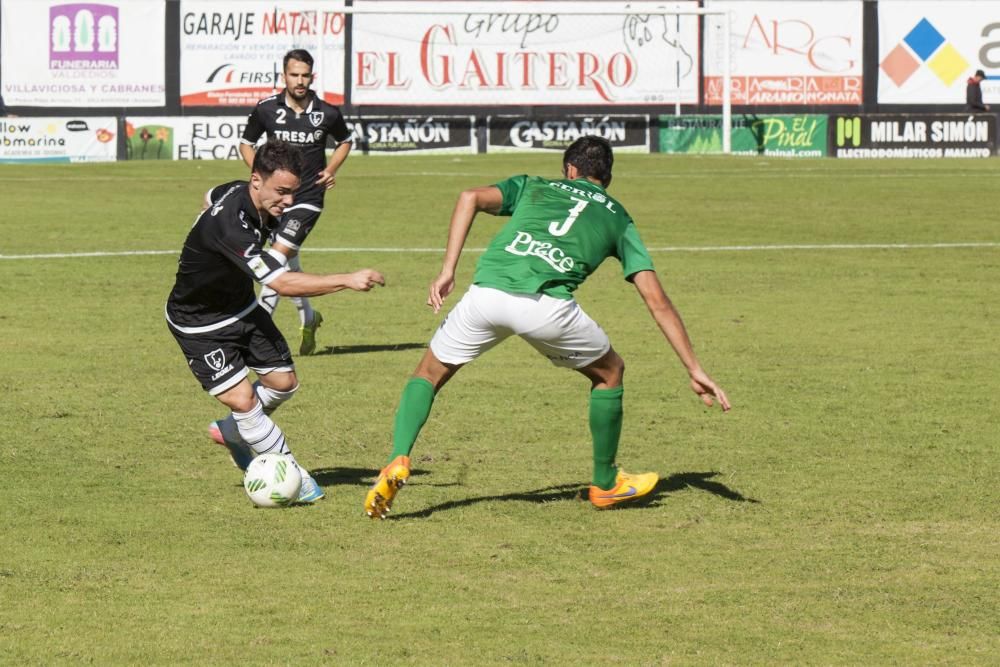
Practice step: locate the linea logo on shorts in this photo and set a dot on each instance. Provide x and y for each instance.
(525, 245)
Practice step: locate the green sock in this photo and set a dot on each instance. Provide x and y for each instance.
(414, 407)
(606, 429)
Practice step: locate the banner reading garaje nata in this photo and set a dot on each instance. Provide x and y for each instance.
(232, 52)
(523, 55)
(805, 53)
(928, 50)
(82, 54)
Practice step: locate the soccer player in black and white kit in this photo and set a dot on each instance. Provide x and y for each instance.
(214, 315)
(299, 116)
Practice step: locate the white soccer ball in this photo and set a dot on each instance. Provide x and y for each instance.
(272, 480)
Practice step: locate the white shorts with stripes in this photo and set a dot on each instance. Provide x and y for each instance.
(557, 328)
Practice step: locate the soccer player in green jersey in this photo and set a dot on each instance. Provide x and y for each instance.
(559, 232)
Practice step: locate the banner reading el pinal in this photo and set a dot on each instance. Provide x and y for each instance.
(520, 54)
(232, 51)
(790, 53)
(83, 54)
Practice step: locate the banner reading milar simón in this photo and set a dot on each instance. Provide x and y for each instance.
(798, 135)
(913, 136)
(83, 54)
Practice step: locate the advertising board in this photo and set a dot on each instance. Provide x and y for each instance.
(913, 136)
(232, 51)
(928, 50)
(83, 54)
(409, 134)
(788, 53)
(522, 54)
(88, 139)
(781, 135)
(627, 133)
(184, 138)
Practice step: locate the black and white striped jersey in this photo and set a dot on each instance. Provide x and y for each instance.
(222, 257)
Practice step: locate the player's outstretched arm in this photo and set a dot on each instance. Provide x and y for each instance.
(670, 323)
(470, 202)
(294, 283)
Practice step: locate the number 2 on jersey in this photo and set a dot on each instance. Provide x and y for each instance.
(557, 228)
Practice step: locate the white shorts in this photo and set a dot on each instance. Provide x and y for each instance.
(557, 328)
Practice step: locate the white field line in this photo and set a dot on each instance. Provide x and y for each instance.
(760, 170)
(727, 248)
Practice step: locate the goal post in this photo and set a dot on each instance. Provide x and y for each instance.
(524, 53)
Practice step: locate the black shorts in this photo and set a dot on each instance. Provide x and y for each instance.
(221, 359)
(296, 223)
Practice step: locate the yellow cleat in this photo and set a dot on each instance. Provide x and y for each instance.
(627, 488)
(308, 344)
(390, 480)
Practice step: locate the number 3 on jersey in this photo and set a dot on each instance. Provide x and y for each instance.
(557, 228)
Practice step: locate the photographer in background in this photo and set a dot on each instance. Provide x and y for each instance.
(974, 93)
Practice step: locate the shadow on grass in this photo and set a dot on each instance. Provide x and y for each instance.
(361, 477)
(701, 481)
(362, 349)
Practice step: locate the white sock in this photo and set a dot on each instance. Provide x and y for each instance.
(271, 399)
(301, 302)
(262, 434)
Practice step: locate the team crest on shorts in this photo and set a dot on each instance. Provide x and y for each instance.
(316, 118)
(293, 225)
(216, 359)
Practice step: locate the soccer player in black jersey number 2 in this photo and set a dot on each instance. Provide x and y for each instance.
(214, 315)
(297, 115)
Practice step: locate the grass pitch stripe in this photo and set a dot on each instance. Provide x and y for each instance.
(725, 248)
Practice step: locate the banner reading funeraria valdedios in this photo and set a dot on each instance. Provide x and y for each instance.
(83, 54)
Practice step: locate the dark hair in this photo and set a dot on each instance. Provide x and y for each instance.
(592, 157)
(297, 54)
(277, 155)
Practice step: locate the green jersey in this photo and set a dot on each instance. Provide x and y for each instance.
(558, 234)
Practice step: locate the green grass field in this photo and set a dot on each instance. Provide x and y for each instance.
(844, 512)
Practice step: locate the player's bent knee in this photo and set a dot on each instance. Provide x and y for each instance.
(608, 371)
(240, 398)
(285, 380)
